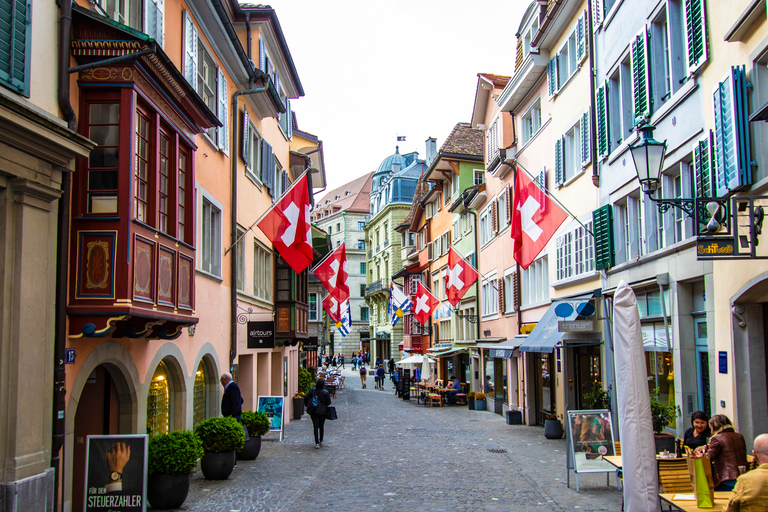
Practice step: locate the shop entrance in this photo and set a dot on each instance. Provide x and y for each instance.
(588, 371)
(544, 386)
(101, 410)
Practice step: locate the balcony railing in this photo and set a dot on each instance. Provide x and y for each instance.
(374, 287)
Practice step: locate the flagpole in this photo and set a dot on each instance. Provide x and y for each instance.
(327, 256)
(543, 188)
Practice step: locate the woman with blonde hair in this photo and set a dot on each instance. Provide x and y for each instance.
(727, 450)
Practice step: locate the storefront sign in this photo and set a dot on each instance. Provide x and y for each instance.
(310, 345)
(527, 328)
(575, 326)
(116, 473)
(500, 353)
(261, 334)
(715, 248)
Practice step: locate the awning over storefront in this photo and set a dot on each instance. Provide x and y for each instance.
(546, 334)
(447, 353)
(503, 350)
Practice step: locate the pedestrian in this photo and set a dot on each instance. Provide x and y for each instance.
(317, 402)
(333, 361)
(391, 366)
(363, 374)
(341, 360)
(380, 377)
(378, 361)
(354, 362)
(232, 400)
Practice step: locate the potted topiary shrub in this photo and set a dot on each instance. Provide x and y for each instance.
(480, 404)
(172, 459)
(221, 438)
(471, 400)
(306, 382)
(661, 416)
(553, 428)
(257, 424)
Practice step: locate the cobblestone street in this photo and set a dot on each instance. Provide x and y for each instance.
(387, 454)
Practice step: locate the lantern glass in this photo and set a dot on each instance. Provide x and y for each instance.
(648, 157)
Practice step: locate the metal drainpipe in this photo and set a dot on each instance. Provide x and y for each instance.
(62, 239)
(233, 158)
(592, 101)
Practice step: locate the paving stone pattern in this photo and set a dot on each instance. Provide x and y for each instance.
(387, 454)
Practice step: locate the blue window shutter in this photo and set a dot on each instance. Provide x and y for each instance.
(603, 139)
(15, 41)
(742, 128)
(640, 77)
(731, 142)
(552, 75)
(262, 55)
(586, 154)
(246, 138)
(559, 167)
(602, 226)
(695, 34)
(267, 168)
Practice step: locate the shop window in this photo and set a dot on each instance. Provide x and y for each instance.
(158, 403)
(200, 396)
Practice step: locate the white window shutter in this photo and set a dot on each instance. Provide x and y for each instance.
(597, 12)
(223, 113)
(289, 123)
(190, 51)
(246, 138)
(160, 17)
(262, 56)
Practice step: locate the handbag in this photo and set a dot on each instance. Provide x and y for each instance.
(700, 471)
(330, 413)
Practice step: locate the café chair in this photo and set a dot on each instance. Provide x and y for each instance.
(435, 398)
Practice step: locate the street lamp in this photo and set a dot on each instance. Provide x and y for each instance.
(648, 157)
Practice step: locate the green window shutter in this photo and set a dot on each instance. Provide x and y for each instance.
(695, 34)
(559, 164)
(597, 12)
(602, 226)
(14, 44)
(640, 77)
(603, 140)
(552, 75)
(586, 154)
(581, 37)
(702, 165)
(731, 142)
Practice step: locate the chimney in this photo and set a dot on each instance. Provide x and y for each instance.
(431, 149)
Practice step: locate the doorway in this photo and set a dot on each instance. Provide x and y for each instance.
(588, 371)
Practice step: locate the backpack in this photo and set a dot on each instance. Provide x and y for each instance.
(313, 403)
(363, 371)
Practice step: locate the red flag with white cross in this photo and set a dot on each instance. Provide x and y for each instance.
(535, 219)
(424, 304)
(332, 272)
(461, 276)
(331, 306)
(287, 226)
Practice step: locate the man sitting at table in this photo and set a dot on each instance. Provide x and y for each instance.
(453, 389)
(751, 491)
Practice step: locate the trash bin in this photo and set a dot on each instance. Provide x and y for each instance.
(514, 418)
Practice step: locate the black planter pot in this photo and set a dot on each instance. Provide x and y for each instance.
(481, 405)
(471, 404)
(298, 408)
(251, 449)
(664, 442)
(165, 492)
(217, 466)
(553, 429)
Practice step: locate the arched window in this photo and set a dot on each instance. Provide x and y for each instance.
(158, 402)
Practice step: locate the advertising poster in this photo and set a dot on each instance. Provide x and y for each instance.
(272, 406)
(116, 473)
(590, 438)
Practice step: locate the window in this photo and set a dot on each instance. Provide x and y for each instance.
(15, 42)
(252, 150)
(465, 330)
(492, 140)
(164, 183)
(330, 229)
(360, 225)
(313, 309)
(212, 87)
(486, 227)
(575, 253)
(182, 185)
(363, 313)
(143, 15)
(211, 237)
(731, 142)
(534, 283)
(531, 121)
(490, 295)
(362, 267)
(503, 209)
(661, 75)
(141, 174)
(240, 260)
(361, 245)
(530, 33)
(567, 61)
(338, 227)
(262, 272)
(509, 292)
(104, 129)
(446, 193)
(479, 176)
(572, 151)
(362, 290)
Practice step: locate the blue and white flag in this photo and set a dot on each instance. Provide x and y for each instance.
(399, 303)
(344, 325)
(401, 138)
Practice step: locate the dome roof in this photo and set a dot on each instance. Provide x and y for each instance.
(395, 158)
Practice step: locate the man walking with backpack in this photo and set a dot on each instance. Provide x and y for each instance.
(380, 377)
(363, 373)
(317, 401)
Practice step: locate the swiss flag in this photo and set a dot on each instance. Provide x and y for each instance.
(287, 226)
(424, 304)
(332, 272)
(331, 306)
(535, 218)
(461, 275)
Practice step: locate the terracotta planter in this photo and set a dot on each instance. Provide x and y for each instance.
(166, 492)
(553, 429)
(217, 466)
(251, 449)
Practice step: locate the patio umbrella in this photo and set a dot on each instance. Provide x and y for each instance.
(414, 359)
(426, 369)
(638, 450)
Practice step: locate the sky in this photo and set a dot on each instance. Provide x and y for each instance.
(372, 71)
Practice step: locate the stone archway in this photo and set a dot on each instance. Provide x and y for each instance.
(749, 332)
(205, 396)
(103, 400)
(166, 386)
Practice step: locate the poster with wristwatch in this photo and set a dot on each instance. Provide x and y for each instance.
(116, 473)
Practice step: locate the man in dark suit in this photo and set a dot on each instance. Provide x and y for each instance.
(232, 401)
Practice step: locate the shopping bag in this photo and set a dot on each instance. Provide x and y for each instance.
(700, 470)
(330, 413)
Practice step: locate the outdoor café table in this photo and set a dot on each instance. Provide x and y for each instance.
(614, 460)
(331, 387)
(689, 505)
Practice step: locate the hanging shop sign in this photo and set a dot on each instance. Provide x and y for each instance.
(310, 344)
(116, 473)
(261, 334)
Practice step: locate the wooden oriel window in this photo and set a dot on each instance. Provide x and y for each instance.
(141, 176)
